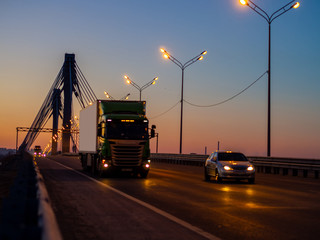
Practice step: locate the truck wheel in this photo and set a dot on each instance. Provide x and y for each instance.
(84, 160)
(144, 174)
(94, 167)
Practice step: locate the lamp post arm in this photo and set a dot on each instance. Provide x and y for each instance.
(175, 61)
(135, 85)
(191, 61)
(273, 16)
(266, 16)
(262, 13)
(147, 84)
(125, 97)
(283, 8)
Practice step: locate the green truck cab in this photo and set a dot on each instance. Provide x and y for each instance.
(114, 137)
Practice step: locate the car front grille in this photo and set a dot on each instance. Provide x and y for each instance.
(235, 167)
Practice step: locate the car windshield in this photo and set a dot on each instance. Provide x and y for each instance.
(232, 157)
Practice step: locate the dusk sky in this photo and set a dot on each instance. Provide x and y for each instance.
(111, 39)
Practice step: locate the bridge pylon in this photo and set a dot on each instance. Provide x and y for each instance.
(70, 80)
(69, 77)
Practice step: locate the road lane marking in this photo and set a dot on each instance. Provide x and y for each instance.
(149, 206)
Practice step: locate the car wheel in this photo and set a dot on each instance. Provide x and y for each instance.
(251, 180)
(206, 175)
(218, 178)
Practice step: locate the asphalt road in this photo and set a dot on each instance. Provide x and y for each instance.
(174, 202)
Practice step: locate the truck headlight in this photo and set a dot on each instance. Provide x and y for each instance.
(104, 163)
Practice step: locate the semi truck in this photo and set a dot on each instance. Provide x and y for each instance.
(114, 137)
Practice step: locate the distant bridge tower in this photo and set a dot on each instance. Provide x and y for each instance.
(69, 80)
(56, 107)
(69, 77)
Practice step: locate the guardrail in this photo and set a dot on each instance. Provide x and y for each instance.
(46, 217)
(26, 212)
(284, 166)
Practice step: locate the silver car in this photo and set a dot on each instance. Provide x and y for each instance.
(228, 165)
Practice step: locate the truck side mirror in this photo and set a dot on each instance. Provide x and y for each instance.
(153, 132)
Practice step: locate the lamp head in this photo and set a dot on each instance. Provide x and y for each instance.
(107, 94)
(296, 5)
(128, 79)
(244, 2)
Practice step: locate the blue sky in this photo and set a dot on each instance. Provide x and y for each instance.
(114, 38)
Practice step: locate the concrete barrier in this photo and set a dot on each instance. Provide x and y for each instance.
(46, 217)
(26, 212)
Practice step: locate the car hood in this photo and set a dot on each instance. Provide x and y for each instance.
(237, 163)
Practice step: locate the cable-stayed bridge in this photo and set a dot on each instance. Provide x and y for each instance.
(58, 103)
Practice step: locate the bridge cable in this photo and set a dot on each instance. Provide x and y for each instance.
(90, 91)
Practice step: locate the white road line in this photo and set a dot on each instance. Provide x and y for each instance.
(152, 208)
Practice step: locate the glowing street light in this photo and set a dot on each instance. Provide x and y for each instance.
(296, 5)
(108, 95)
(129, 81)
(126, 97)
(270, 19)
(199, 57)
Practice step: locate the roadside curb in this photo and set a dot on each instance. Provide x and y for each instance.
(46, 217)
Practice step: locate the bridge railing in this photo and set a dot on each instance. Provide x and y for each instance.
(275, 165)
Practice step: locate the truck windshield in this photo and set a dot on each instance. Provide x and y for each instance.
(126, 129)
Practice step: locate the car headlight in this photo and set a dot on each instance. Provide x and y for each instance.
(227, 168)
(250, 168)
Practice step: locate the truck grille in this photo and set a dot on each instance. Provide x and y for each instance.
(126, 155)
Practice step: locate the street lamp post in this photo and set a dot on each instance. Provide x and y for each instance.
(129, 81)
(182, 66)
(270, 19)
(157, 144)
